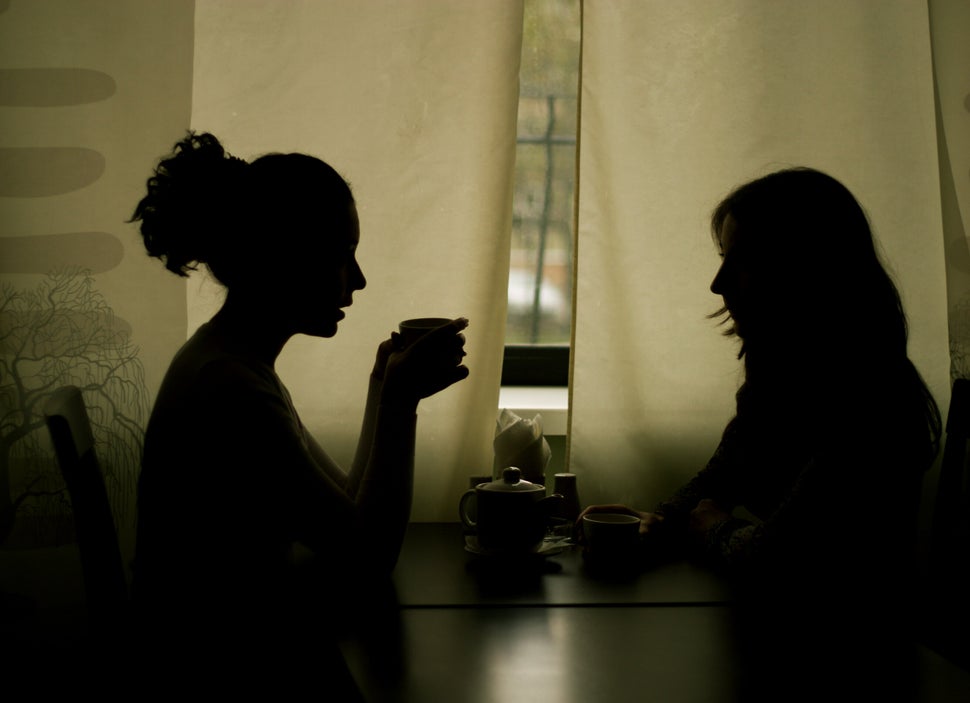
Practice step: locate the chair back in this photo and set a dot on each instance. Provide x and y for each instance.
(105, 585)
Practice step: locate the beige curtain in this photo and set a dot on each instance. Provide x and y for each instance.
(950, 23)
(681, 102)
(415, 104)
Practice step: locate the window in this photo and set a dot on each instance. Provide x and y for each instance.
(540, 266)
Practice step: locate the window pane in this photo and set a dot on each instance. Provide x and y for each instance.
(540, 275)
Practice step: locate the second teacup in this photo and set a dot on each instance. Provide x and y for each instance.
(611, 535)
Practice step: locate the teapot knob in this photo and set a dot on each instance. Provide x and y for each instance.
(511, 475)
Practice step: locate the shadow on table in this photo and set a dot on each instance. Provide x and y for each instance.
(505, 577)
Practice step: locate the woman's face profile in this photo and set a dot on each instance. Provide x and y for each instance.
(322, 275)
(733, 279)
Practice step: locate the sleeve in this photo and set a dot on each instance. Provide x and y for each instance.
(290, 494)
(719, 481)
(270, 468)
(827, 520)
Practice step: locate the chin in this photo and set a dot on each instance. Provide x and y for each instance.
(321, 329)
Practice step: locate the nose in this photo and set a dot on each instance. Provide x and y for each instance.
(360, 282)
(717, 285)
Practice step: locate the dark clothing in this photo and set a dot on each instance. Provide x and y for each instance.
(823, 559)
(230, 481)
(823, 484)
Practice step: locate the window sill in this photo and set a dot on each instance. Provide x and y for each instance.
(552, 402)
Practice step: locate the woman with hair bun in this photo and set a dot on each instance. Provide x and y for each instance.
(231, 480)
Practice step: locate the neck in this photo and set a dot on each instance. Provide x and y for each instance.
(254, 326)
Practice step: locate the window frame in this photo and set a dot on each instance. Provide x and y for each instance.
(536, 365)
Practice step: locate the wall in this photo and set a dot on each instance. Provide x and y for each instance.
(90, 95)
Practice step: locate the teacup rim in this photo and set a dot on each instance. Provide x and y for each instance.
(424, 322)
(611, 518)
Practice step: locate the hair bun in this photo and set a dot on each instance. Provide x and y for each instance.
(190, 202)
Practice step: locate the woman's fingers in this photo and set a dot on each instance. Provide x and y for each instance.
(431, 363)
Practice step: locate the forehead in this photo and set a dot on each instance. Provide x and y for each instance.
(353, 221)
(727, 236)
(339, 227)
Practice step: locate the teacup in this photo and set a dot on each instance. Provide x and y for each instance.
(611, 536)
(412, 330)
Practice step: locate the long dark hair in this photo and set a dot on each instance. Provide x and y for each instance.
(835, 313)
(204, 206)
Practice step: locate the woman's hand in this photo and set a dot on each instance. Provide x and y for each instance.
(704, 517)
(384, 352)
(425, 367)
(648, 521)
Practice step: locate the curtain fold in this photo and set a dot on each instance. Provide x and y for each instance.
(682, 102)
(415, 104)
(950, 25)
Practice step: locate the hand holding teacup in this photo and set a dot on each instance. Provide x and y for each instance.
(426, 358)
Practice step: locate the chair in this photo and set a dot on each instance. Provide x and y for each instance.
(949, 558)
(105, 585)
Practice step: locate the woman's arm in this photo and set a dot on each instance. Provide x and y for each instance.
(365, 442)
(380, 484)
(669, 523)
(854, 500)
(411, 374)
(350, 481)
(289, 483)
(717, 482)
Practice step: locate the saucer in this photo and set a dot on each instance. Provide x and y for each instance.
(550, 546)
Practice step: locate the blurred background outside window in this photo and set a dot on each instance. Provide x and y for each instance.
(540, 266)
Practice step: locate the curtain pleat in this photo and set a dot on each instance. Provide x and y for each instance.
(681, 102)
(950, 23)
(415, 104)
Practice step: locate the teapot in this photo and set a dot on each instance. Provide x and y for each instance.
(510, 514)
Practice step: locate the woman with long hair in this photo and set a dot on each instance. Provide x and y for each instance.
(833, 432)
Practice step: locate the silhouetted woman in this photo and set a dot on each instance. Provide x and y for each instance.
(833, 432)
(231, 479)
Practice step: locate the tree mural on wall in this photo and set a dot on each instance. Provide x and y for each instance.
(58, 333)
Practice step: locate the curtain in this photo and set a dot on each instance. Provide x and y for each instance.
(680, 103)
(950, 22)
(415, 104)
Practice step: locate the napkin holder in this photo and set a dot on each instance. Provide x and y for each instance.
(519, 442)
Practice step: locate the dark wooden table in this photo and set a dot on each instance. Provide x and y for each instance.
(435, 570)
(464, 628)
(468, 629)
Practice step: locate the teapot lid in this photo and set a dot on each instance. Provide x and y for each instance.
(511, 482)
